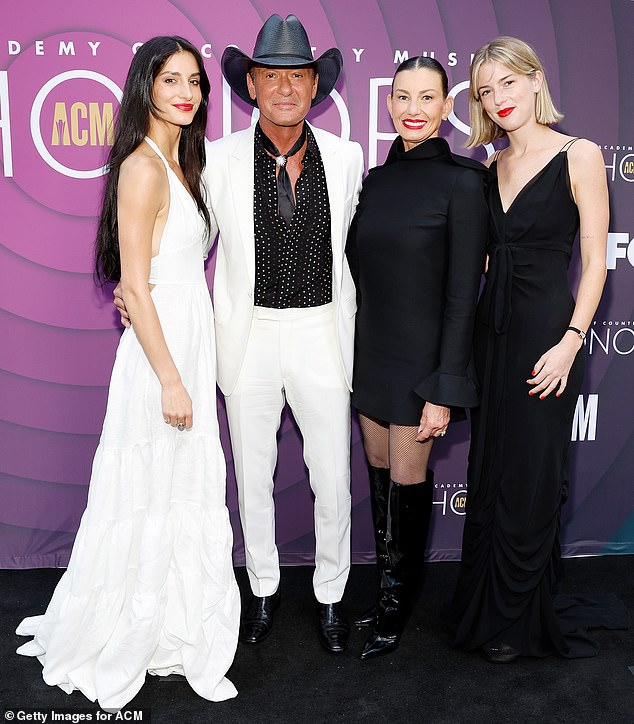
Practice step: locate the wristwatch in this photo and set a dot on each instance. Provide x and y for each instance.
(578, 331)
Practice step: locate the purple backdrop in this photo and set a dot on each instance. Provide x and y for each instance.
(62, 68)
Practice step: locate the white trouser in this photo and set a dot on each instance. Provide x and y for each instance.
(292, 356)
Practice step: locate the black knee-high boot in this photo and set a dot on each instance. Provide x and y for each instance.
(408, 519)
(379, 492)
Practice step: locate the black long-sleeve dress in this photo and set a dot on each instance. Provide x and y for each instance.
(416, 251)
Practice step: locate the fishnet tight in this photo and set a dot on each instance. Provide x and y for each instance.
(395, 447)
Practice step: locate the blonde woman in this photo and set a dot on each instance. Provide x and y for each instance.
(529, 332)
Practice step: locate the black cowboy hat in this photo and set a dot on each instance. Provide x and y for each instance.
(281, 43)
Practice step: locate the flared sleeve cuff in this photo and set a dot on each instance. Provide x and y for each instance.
(441, 388)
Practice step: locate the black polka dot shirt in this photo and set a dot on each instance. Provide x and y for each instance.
(293, 262)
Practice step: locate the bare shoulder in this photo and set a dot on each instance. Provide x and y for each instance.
(587, 171)
(586, 165)
(142, 166)
(142, 176)
(585, 154)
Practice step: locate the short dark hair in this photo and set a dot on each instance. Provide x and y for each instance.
(423, 61)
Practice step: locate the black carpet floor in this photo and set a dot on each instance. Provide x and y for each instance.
(289, 678)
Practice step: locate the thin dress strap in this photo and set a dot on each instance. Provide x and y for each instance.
(567, 145)
(157, 151)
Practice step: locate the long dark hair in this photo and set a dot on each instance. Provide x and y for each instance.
(423, 61)
(132, 125)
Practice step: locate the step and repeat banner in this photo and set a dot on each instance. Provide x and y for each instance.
(62, 68)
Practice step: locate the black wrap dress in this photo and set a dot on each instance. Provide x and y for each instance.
(416, 251)
(518, 462)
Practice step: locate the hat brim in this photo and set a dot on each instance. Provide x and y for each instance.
(235, 65)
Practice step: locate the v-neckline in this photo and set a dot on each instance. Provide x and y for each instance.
(524, 187)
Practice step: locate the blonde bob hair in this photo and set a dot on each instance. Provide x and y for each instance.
(518, 57)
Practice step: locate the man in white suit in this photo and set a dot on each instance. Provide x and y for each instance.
(283, 194)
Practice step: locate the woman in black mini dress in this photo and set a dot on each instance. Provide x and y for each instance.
(416, 250)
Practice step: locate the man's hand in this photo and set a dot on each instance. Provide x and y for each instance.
(120, 305)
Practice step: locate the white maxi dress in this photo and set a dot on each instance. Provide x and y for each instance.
(150, 583)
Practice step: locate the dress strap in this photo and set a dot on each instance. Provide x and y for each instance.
(157, 151)
(567, 145)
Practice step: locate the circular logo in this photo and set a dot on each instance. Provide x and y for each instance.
(84, 121)
(61, 109)
(626, 168)
(458, 502)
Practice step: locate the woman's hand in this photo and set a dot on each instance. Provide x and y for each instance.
(433, 422)
(552, 368)
(177, 405)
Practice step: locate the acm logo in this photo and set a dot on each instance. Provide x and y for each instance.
(78, 124)
(455, 502)
(623, 165)
(74, 123)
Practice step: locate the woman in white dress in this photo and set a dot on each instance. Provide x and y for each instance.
(150, 583)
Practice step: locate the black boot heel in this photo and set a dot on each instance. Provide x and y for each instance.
(408, 520)
(379, 492)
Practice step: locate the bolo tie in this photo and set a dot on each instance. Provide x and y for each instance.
(285, 199)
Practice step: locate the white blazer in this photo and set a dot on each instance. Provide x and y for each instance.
(229, 180)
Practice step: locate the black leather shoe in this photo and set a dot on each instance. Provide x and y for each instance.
(333, 628)
(257, 618)
(499, 653)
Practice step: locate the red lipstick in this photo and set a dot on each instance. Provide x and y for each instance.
(504, 112)
(184, 106)
(414, 124)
